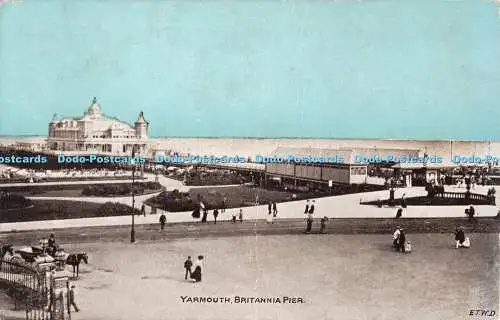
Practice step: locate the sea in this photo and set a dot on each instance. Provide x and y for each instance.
(250, 147)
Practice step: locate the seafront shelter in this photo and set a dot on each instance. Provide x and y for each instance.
(349, 165)
(419, 174)
(325, 168)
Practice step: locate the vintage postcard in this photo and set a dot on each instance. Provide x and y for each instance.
(251, 160)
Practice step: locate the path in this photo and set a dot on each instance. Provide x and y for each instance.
(145, 233)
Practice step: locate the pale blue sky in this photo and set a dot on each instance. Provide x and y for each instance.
(373, 69)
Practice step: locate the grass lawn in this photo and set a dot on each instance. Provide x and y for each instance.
(237, 196)
(339, 277)
(68, 190)
(54, 210)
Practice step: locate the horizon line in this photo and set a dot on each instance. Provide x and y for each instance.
(279, 138)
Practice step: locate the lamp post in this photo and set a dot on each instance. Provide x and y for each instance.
(132, 230)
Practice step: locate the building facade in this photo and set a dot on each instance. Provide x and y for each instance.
(97, 133)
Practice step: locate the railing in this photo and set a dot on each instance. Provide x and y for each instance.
(22, 274)
(28, 286)
(463, 195)
(491, 200)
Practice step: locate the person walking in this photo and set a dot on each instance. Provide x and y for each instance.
(188, 264)
(471, 213)
(143, 209)
(309, 222)
(323, 224)
(216, 214)
(205, 214)
(241, 214)
(163, 221)
(399, 213)
(234, 216)
(269, 217)
(395, 237)
(311, 208)
(275, 210)
(72, 301)
(224, 204)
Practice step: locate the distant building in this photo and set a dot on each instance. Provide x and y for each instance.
(98, 133)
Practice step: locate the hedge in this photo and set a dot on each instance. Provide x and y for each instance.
(121, 189)
(13, 201)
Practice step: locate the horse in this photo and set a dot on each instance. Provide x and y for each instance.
(74, 259)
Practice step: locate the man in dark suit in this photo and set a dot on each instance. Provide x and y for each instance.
(72, 298)
(471, 213)
(402, 239)
(163, 221)
(188, 264)
(216, 214)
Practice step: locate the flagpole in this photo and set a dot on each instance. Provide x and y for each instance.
(132, 230)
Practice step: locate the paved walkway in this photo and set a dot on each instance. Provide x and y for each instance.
(346, 206)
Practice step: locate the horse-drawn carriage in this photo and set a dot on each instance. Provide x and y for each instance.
(45, 257)
(36, 255)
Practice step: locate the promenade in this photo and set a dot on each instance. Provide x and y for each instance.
(345, 206)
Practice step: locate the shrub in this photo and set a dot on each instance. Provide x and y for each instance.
(173, 201)
(110, 209)
(119, 189)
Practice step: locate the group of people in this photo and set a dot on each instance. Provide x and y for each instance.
(235, 215)
(461, 241)
(399, 241)
(194, 276)
(309, 212)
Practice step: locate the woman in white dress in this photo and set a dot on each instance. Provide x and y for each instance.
(269, 218)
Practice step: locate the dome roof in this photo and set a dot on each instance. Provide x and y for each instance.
(95, 108)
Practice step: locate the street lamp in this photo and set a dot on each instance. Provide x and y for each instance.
(132, 230)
